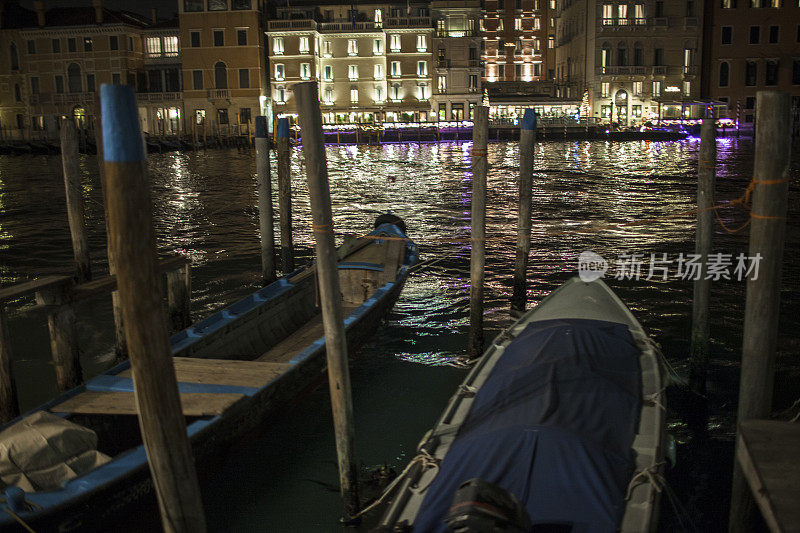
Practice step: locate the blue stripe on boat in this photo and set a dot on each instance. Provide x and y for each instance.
(360, 266)
(106, 383)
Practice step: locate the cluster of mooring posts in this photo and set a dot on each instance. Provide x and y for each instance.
(142, 335)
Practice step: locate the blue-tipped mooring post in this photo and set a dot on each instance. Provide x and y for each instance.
(527, 150)
(130, 221)
(265, 214)
(285, 196)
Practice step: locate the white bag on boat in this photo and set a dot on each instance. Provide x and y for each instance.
(42, 451)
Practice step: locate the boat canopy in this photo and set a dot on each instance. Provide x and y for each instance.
(554, 425)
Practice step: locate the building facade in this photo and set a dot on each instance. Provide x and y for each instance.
(457, 48)
(630, 62)
(373, 62)
(223, 64)
(754, 46)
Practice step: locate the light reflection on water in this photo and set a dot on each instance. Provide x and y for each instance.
(204, 206)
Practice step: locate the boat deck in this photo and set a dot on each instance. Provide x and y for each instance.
(207, 387)
(289, 348)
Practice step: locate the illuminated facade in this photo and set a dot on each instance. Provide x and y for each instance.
(223, 60)
(372, 63)
(630, 62)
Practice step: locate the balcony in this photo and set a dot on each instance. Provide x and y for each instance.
(159, 97)
(690, 22)
(347, 25)
(636, 70)
(74, 98)
(40, 98)
(409, 22)
(299, 24)
(456, 33)
(660, 70)
(616, 24)
(218, 94)
(464, 63)
(661, 22)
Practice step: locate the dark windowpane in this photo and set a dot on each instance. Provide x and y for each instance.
(197, 79)
(658, 57)
(56, 46)
(244, 115)
(244, 78)
(72, 44)
(217, 5)
(750, 102)
(241, 37)
(221, 75)
(659, 9)
(689, 8)
(34, 85)
(222, 116)
(724, 73)
(131, 79)
(14, 56)
(241, 4)
(113, 42)
(773, 34)
(74, 79)
(60, 84)
(194, 38)
(154, 81)
(796, 72)
(727, 34)
(772, 73)
(751, 73)
(754, 34)
(31, 46)
(219, 38)
(193, 5)
(172, 80)
(90, 87)
(638, 56)
(87, 44)
(115, 79)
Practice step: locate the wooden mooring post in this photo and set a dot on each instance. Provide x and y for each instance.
(9, 404)
(480, 132)
(161, 420)
(266, 217)
(330, 294)
(63, 336)
(762, 304)
(74, 195)
(704, 235)
(285, 195)
(527, 151)
(121, 346)
(179, 297)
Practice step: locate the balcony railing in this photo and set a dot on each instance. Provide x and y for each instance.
(661, 22)
(628, 70)
(347, 26)
(465, 63)
(660, 70)
(299, 24)
(158, 97)
(409, 22)
(214, 94)
(690, 22)
(74, 98)
(455, 33)
(617, 23)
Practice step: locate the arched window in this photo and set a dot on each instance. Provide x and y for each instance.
(220, 75)
(724, 73)
(638, 54)
(74, 78)
(622, 54)
(14, 57)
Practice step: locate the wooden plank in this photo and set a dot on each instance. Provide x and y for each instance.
(296, 342)
(769, 453)
(123, 403)
(224, 371)
(29, 287)
(109, 283)
(395, 250)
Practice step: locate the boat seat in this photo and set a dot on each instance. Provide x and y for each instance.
(42, 451)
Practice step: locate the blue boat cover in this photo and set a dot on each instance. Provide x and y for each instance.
(553, 424)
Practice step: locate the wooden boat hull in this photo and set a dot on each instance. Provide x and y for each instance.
(101, 496)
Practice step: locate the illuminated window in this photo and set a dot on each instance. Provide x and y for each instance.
(280, 95)
(305, 71)
(608, 14)
(394, 42)
(379, 97)
(352, 47)
(396, 68)
(605, 89)
(328, 73)
(280, 72)
(395, 92)
(171, 46)
(422, 68)
(304, 45)
(277, 45)
(422, 91)
(687, 88)
(378, 71)
(87, 44)
(551, 42)
(622, 14)
(326, 48)
(152, 46)
(656, 88)
(442, 84)
(328, 95)
(354, 95)
(537, 23)
(378, 17)
(518, 24)
(377, 47)
(422, 43)
(353, 72)
(637, 87)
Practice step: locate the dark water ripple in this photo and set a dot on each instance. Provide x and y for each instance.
(204, 206)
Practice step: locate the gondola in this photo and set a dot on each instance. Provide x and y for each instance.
(558, 428)
(77, 462)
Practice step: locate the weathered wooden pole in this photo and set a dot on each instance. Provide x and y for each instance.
(480, 131)
(75, 210)
(63, 337)
(9, 405)
(762, 305)
(179, 297)
(285, 195)
(330, 295)
(121, 347)
(527, 150)
(707, 160)
(161, 420)
(266, 217)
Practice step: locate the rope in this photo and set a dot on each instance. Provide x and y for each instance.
(649, 474)
(424, 458)
(16, 517)
(655, 399)
(467, 390)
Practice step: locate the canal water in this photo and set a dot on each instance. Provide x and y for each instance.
(284, 478)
